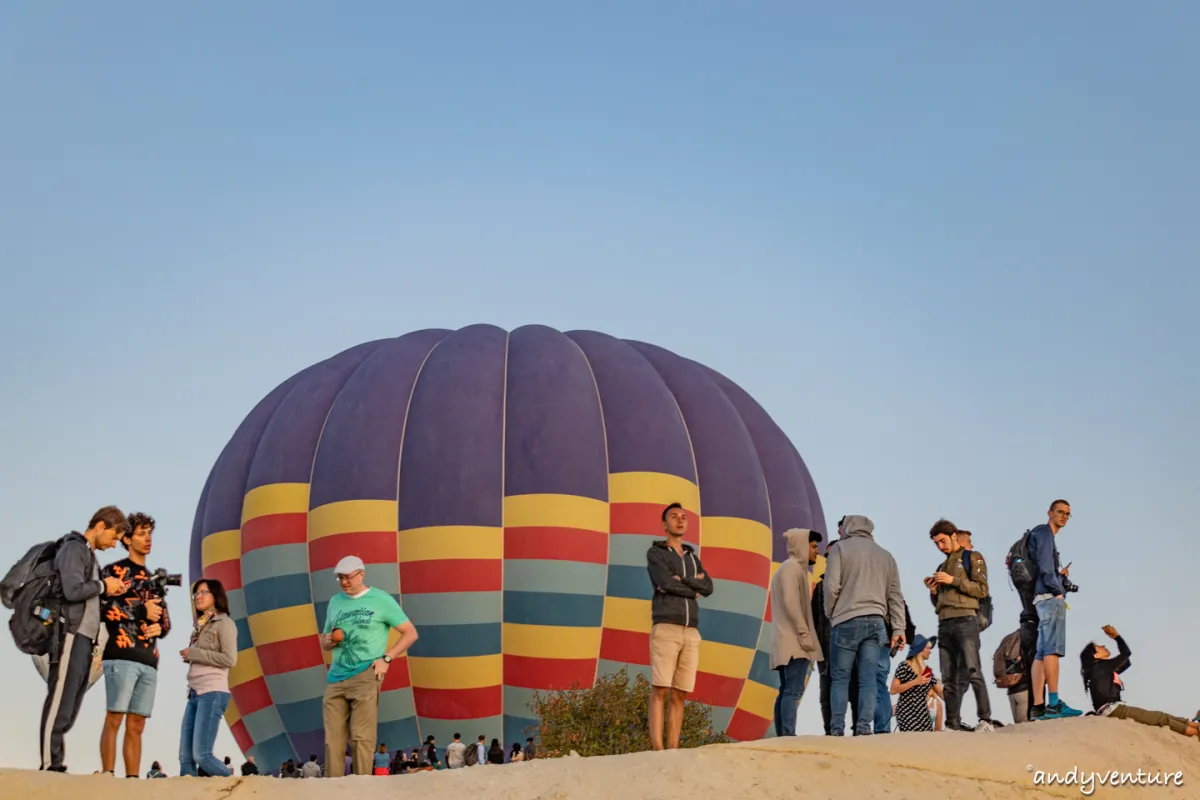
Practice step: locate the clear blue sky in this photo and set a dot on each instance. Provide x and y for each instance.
(951, 249)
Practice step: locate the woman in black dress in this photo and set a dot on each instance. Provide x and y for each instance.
(911, 682)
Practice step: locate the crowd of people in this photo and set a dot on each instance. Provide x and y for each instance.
(855, 620)
(852, 624)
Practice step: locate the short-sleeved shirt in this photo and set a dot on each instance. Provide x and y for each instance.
(366, 621)
(912, 707)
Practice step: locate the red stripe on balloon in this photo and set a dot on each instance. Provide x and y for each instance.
(549, 673)
(646, 519)
(229, 573)
(241, 736)
(717, 690)
(556, 544)
(397, 676)
(737, 565)
(747, 727)
(626, 646)
(373, 547)
(251, 696)
(487, 701)
(452, 575)
(290, 655)
(274, 529)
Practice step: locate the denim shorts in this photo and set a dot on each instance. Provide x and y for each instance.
(129, 687)
(1052, 628)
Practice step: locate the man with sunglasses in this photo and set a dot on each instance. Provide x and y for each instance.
(357, 623)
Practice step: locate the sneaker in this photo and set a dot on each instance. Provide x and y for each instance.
(1050, 712)
(995, 723)
(1064, 710)
(1037, 712)
(984, 727)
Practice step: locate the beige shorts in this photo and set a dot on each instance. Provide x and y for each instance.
(674, 656)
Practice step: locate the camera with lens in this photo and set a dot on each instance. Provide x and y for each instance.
(155, 586)
(1069, 587)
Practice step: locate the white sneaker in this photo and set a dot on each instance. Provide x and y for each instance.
(985, 727)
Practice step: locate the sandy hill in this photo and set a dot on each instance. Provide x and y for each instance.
(928, 766)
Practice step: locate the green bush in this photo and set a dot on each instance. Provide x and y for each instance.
(611, 718)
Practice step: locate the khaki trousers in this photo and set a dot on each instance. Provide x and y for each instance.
(1147, 717)
(351, 712)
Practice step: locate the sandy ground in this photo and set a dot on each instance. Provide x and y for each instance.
(928, 766)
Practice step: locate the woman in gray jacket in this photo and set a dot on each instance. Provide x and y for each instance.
(210, 654)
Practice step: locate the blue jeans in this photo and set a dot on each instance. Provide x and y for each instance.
(1052, 628)
(791, 687)
(201, 720)
(859, 638)
(883, 699)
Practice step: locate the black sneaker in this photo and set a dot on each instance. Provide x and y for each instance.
(1037, 712)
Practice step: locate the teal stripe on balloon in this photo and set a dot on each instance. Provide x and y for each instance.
(541, 608)
(274, 562)
(453, 608)
(563, 577)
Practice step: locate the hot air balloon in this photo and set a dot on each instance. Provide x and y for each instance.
(504, 487)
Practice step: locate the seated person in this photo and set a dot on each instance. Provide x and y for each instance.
(1101, 673)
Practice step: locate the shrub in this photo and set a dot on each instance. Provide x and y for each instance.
(611, 718)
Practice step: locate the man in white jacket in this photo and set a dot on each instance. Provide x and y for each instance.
(794, 644)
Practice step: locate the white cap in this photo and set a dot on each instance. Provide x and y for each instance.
(348, 565)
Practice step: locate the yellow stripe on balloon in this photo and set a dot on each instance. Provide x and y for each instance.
(658, 488)
(736, 533)
(627, 614)
(275, 498)
(282, 624)
(246, 669)
(727, 660)
(220, 546)
(470, 672)
(446, 542)
(352, 516)
(758, 699)
(555, 511)
(232, 715)
(550, 641)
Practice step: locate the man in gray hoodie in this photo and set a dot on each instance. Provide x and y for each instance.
(862, 598)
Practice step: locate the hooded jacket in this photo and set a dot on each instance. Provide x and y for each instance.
(79, 576)
(676, 584)
(861, 578)
(793, 634)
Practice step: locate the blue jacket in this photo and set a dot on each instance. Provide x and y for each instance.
(1045, 554)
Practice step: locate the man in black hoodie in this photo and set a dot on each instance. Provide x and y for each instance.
(82, 588)
(678, 579)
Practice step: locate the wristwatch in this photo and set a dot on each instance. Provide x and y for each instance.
(387, 659)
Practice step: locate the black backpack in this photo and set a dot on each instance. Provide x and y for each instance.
(32, 589)
(1022, 569)
(984, 612)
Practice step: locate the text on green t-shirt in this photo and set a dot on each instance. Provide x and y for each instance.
(366, 621)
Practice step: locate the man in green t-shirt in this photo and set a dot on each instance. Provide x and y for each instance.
(357, 624)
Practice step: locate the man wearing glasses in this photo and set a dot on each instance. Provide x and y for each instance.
(1050, 603)
(357, 624)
